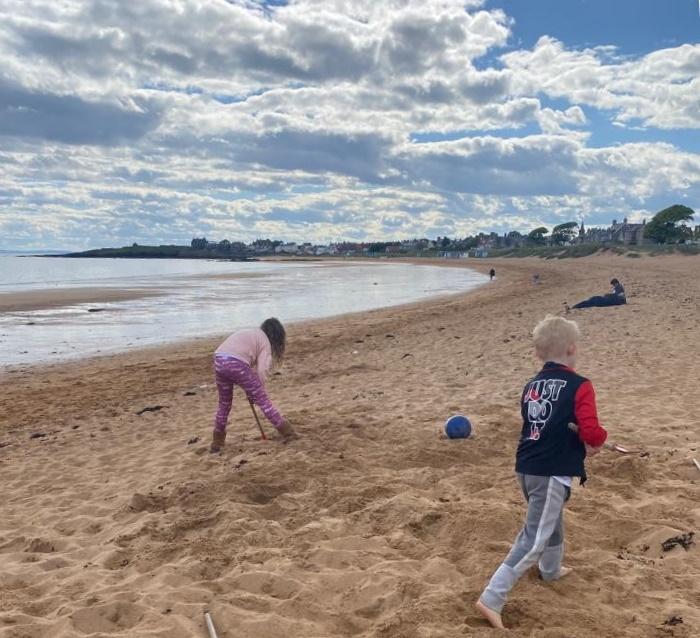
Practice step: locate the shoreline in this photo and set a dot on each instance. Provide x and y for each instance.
(370, 524)
(185, 343)
(205, 345)
(47, 298)
(207, 258)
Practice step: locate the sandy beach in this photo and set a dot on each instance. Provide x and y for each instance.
(114, 523)
(42, 299)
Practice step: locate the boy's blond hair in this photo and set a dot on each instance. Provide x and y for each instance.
(553, 336)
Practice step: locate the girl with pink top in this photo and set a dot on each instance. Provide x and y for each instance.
(244, 359)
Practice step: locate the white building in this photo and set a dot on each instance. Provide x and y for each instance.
(287, 249)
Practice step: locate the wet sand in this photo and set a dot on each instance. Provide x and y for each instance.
(115, 524)
(43, 299)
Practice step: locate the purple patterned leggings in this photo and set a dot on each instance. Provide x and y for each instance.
(231, 371)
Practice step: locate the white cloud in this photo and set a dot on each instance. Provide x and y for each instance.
(554, 122)
(659, 89)
(160, 119)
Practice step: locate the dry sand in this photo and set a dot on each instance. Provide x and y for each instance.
(114, 524)
(57, 298)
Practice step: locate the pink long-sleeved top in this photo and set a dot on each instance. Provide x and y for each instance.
(250, 346)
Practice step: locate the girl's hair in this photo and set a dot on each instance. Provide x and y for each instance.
(275, 332)
(614, 282)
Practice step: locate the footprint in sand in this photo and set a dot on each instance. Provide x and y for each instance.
(268, 584)
(117, 560)
(147, 503)
(93, 528)
(54, 563)
(110, 618)
(41, 546)
(27, 631)
(263, 494)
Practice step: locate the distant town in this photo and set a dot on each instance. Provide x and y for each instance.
(624, 233)
(669, 226)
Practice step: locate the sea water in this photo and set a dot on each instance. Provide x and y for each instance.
(197, 299)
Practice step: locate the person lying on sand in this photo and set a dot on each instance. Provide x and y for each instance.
(549, 455)
(616, 297)
(244, 359)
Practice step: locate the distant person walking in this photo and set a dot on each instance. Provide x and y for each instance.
(616, 297)
(492, 274)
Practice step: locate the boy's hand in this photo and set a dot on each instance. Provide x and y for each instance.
(592, 451)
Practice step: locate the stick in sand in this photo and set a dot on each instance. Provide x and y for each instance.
(696, 463)
(257, 420)
(210, 625)
(609, 446)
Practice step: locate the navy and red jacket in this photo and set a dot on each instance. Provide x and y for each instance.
(550, 401)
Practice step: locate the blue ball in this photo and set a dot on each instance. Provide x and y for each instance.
(458, 427)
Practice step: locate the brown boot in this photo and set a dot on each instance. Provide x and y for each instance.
(286, 431)
(218, 439)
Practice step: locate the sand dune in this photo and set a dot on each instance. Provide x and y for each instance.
(371, 525)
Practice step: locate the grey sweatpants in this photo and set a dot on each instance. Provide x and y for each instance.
(541, 540)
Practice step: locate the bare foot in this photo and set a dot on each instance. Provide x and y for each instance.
(563, 571)
(492, 616)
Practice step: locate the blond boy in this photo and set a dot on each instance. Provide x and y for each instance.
(549, 454)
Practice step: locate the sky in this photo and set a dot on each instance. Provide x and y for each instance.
(329, 120)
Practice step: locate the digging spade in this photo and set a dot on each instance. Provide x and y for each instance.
(257, 420)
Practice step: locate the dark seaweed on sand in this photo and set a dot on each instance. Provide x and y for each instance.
(684, 540)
